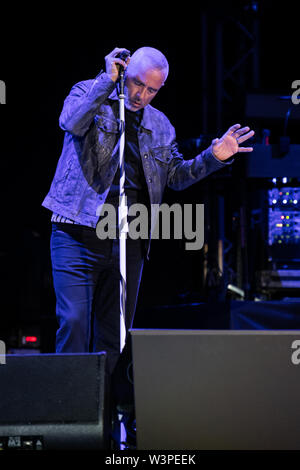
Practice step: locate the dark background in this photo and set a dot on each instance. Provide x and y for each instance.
(47, 52)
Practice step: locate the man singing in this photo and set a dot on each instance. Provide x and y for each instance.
(85, 268)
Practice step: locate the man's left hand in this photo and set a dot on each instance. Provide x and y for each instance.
(228, 145)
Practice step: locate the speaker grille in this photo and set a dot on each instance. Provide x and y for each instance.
(51, 388)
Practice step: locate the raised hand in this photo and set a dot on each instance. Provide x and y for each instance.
(112, 61)
(229, 143)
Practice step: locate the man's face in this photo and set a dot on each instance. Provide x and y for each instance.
(141, 85)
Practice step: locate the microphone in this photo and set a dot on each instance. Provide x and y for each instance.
(123, 56)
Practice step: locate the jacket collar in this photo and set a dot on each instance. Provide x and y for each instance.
(146, 120)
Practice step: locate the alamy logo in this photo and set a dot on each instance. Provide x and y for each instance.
(2, 92)
(295, 357)
(2, 352)
(296, 94)
(185, 221)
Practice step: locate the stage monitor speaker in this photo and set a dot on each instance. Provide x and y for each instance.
(53, 402)
(217, 390)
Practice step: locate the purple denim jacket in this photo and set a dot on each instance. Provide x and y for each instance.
(90, 156)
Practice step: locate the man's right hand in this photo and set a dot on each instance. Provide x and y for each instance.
(111, 62)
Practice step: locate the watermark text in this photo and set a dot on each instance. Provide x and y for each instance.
(2, 92)
(296, 94)
(2, 353)
(160, 221)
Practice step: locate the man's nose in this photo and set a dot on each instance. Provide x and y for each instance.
(141, 93)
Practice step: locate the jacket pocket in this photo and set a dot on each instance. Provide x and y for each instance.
(106, 135)
(162, 155)
(105, 124)
(61, 182)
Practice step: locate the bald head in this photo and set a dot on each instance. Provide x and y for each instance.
(148, 58)
(145, 75)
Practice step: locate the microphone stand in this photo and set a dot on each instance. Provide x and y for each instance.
(122, 213)
(123, 229)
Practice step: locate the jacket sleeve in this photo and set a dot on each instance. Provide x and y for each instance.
(183, 173)
(81, 105)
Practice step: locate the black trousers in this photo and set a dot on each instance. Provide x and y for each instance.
(86, 279)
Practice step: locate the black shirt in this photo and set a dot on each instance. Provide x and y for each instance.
(135, 183)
